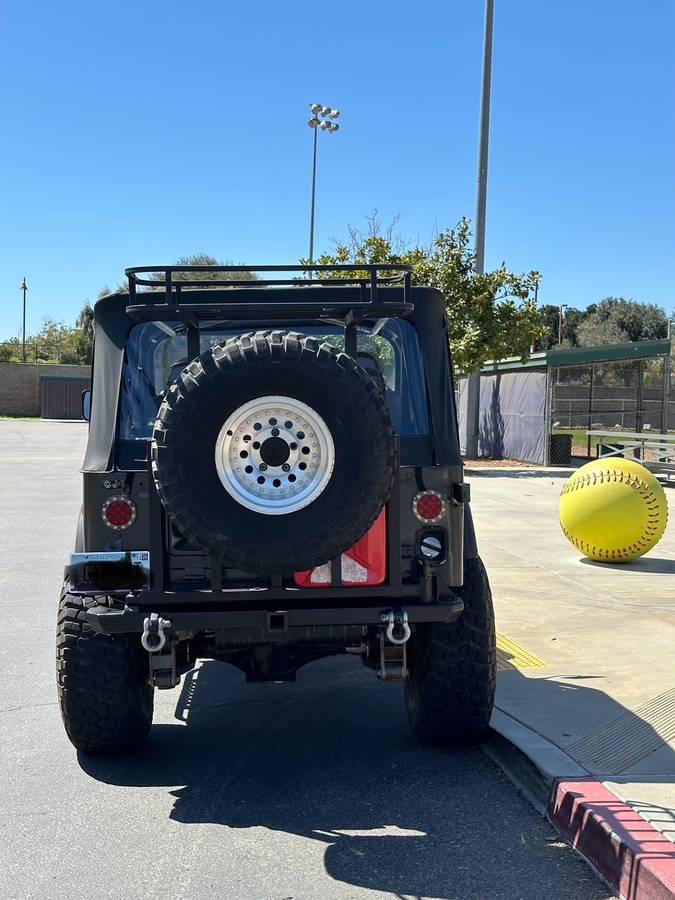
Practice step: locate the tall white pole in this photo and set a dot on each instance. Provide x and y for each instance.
(311, 218)
(473, 386)
(24, 288)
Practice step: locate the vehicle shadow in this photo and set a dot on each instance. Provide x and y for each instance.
(577, 715)
(332, 759)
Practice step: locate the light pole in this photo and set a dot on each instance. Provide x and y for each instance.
(322, 117)
(24, 288)
(561, 320)
(473, 383)
(533, 343)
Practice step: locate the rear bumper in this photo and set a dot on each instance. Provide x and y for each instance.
(129, 620)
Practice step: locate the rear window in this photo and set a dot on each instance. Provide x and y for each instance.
(156, 354)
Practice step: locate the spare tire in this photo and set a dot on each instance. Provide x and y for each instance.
(275, 450)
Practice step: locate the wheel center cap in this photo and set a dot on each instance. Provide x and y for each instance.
(274, 451)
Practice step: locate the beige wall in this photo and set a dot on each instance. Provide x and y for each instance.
(20, 385)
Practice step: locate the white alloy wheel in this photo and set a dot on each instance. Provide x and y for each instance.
(274, 455)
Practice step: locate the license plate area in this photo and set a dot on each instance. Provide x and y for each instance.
(108, 572)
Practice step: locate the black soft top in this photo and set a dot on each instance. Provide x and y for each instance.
(255, 306)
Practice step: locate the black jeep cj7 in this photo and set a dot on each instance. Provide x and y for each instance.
(272, 476)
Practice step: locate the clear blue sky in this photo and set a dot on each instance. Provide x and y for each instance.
(135, 132)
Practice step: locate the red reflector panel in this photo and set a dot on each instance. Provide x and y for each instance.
(364, 565)
(428, 506)
(118, 512)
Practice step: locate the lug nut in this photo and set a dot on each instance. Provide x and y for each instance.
(275, 432)
(285, 467)
(263, 467)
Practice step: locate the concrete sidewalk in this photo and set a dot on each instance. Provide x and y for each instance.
(585, 649)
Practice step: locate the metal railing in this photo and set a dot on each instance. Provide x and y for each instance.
(655, 451)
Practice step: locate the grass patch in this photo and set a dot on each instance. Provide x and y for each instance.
(20, 418)
(579, 440)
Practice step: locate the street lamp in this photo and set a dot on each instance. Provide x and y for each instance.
(561, 320)
(24, 288)
(323, 117)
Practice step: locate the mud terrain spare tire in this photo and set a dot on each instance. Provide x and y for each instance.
(274, 449)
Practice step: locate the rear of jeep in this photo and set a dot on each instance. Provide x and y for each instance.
(272, 476)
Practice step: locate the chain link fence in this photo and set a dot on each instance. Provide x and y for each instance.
(631, 395)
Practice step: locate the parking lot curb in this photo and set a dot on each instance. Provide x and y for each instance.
(633, 857)
(630, 854)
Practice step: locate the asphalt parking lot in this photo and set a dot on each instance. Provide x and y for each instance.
(262, 791)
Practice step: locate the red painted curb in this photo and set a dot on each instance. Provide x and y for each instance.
(635, 858)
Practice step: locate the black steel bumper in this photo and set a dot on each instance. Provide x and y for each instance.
(129, 620)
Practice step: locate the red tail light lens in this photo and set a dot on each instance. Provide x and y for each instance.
(429, 507)
(118, 512)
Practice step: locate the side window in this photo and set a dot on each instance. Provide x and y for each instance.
(379, 348)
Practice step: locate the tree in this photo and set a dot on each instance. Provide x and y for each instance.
(196, 259)
(490, 316)
(205, 259)
(10, 351)
(594, 331)
(549, 316)
(54, 343)
(57, 342)
(615, 320)
(83, 334)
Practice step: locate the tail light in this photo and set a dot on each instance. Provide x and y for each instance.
(364, 565)
(429, 507)
(118, 512)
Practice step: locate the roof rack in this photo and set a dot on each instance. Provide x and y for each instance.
(192, 300)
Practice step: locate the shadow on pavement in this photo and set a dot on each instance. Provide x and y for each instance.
(551, 472)
(593, 728)
(646, 565)
(516, 473)
(332, 759)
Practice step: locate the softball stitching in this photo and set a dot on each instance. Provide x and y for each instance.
(589, 479)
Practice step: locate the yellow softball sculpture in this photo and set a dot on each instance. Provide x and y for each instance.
(613, 510)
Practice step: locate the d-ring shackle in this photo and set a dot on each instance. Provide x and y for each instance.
(153, 638)
(394, 619)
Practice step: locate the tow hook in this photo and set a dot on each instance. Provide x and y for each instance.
(392, 645)
(153, 638)
(398, 630)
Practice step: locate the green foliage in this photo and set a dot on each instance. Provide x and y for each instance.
(549, 316)
(490, 316)
(615, 320)
(205, 259)
(594, 331)
(612, 321)
(196, 259)
(10, 351)
(55, 342)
